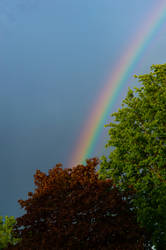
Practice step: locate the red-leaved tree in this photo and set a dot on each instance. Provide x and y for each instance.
(73, 209)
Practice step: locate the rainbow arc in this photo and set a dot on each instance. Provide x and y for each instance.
(107, 98)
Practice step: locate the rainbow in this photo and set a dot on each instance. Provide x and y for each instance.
(100, 111)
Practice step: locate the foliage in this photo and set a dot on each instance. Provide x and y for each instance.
(73, 209)
(5, 231)
(138, 157)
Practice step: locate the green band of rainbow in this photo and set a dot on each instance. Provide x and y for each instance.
(100, 111)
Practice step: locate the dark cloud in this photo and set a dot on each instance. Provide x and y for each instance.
(10, 10)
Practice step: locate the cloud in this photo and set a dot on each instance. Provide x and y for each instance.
(10, 10)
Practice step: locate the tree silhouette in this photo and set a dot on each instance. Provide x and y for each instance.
(73, 209)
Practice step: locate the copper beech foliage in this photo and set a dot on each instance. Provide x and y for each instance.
(73, 209)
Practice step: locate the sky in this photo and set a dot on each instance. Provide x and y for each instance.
(55, 58)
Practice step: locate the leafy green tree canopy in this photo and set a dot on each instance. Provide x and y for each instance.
(138, 151)
(6, 236)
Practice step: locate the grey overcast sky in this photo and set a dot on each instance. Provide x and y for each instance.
(55, 57)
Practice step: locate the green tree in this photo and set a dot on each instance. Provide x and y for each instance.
(137, 160)
(6, 232)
